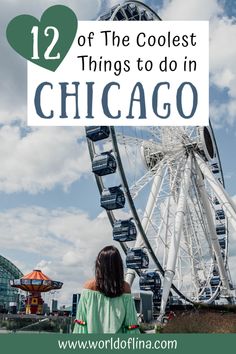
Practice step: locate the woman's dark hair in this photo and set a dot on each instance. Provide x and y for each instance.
(109, 272)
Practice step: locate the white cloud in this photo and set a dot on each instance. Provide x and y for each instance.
(42, 159)
(223, 68)
(222, 52)
(71, 258)
(66, 242)
(190, 9)
(223, 113)
(84, 9)
(111, 3)
(13, 73)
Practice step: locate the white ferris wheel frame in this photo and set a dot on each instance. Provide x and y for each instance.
(157, 174)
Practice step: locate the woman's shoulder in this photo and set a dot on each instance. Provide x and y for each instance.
(90, 284)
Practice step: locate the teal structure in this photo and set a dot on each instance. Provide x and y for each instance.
(8, 295)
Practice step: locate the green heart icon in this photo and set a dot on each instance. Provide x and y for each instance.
(45, 42)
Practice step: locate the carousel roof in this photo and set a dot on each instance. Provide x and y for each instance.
(36, 281)
(36, 274)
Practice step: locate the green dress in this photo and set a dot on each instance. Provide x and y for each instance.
(97, 313)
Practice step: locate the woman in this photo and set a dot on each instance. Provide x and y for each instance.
(106, 304)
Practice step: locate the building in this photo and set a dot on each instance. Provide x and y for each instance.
(65, 310)
(75, 301)
(46, 309)
(54, 305)
(144, 305)
(8, 296)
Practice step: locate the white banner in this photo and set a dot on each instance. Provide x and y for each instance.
(127, 73)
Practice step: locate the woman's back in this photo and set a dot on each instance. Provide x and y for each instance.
(106, 304)
(98, 313)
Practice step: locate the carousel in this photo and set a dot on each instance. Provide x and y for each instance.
(34, 284)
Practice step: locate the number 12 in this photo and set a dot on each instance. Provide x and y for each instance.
(47, 54)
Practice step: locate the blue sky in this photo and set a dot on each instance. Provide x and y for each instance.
(49, 210)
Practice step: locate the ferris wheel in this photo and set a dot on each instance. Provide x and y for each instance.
(163, 190)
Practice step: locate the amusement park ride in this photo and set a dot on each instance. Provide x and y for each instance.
(34, 284)
(178, 211)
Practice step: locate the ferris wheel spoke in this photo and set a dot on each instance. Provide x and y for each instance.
(220, 192)
(191, 248)
(191, 132)
(160, 135)
(200, 266)
(163, 230)
(153, 144)
(202, 229)
(198, 213)
(175, 241)
(158, 222)
(153, 196)
(188, 256)
(214, 238)
(197, 246)
(131, 140)
(157, 229)
(150, 204)
(122, 11)
(159, 199)
(144, 180)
